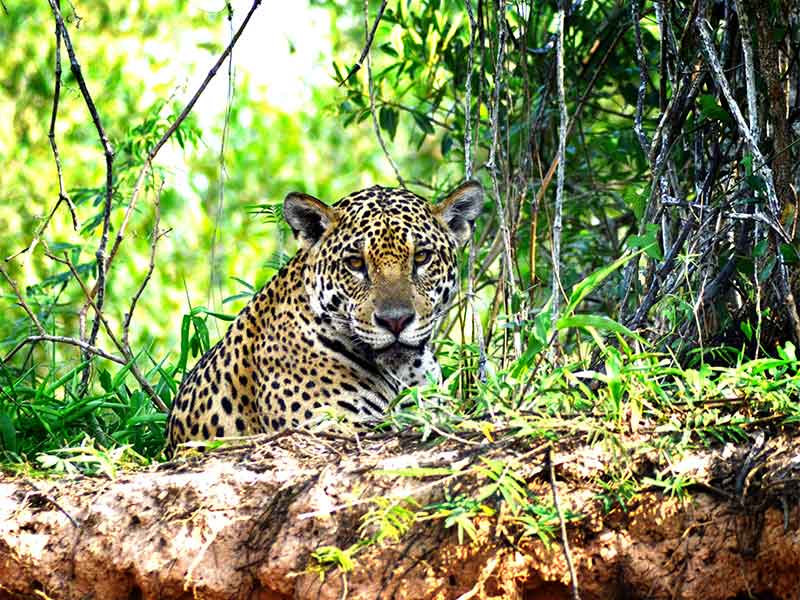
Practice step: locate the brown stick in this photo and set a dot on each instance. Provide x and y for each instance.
(108, 153)
(365, 52)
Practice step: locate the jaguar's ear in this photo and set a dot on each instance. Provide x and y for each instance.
(308, 217)
(460, 209)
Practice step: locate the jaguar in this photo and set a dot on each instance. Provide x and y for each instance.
(340, 330)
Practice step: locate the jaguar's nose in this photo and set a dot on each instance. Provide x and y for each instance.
(395, 320)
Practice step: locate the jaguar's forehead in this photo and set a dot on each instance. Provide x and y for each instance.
(381, 201)
(386, 214)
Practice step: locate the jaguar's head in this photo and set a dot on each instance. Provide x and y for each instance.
(382, 263)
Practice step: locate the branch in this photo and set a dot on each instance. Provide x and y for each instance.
(491, 164)
(477, 327)
(22, 302)
(372, 90)
(749, 68)
(468, 99)
(561, 157)
(642, 63)
(171, 130)
(564, 541)
(365, 52)
(659, 276)
(223, 173)
(60, 339)
(766, 172)
(122, 345)
(62, 195)
(100, 255)
(156, 235)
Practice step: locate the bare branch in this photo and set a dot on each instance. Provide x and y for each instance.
(371, 84)
(764, 170)
(155, 236)
(749, 68)
(365, 52)
(151, 155)
(62, 195)
(22, 302)
(561, 157)
(468, 99)
(491, 164)
(642, 63)
(564, 540)
(213, 279)
(100, 255)
(477, 327)
(60, 339)
(122, 345)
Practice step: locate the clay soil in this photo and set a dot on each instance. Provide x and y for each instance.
(243, 523)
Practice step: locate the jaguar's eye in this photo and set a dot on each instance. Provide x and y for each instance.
(356, 263)
(421, 257)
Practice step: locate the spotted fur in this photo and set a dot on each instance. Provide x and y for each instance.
(342, 328)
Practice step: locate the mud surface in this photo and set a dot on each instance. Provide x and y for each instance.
(243, 522)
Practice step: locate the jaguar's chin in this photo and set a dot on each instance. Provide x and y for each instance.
(398, 347)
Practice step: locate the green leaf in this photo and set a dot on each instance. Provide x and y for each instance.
(789, 253)
(648, 242)
(221, 316)
(423, 122)
(765, 272)
(8, 433)
(447, 144)
(599, 322)
(636, 198)
(388, 49)
(105, 380)
(185, 329)
(710, 109)
(388, 118)
(585, 287)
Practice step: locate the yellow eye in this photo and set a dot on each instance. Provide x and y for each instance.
(421, 257)
(355, 262)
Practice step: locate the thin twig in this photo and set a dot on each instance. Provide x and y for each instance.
(492, 167)
(151, 155)
(371, 85)
(213, 279)
(749, 68)
(108, 153)
(61, 339)
(477, 327)
(62, 195)
(468, 97)
(561, 158)
(122, 345)
(47, 498)
(564, 540)
(22, 302)
(97, 310)
(642, 63)
(764, 170)
(156, 235)
(365, 52)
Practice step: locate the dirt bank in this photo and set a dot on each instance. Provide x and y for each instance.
(243, 522)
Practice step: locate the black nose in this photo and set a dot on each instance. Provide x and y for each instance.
(394, 320)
